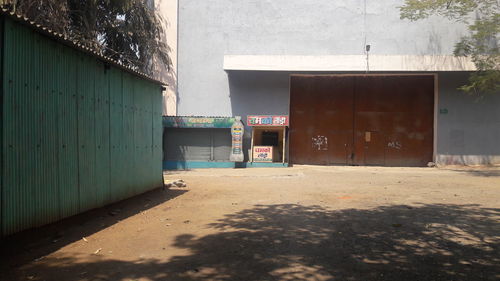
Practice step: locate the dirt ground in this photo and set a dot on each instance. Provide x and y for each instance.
(300, 223)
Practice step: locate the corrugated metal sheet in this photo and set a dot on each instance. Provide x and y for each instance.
(77, 134)
(74, 44)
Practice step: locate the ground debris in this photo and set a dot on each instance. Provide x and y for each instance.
(175, 183)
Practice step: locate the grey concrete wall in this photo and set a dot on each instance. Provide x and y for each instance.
(469, 133)
(258, 92)
(210, 29)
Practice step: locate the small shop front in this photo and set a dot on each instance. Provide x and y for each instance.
(193, 142)
(268, 141)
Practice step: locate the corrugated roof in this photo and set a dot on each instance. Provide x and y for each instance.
(74, 44)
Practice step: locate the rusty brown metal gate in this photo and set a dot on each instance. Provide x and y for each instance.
(361, 120)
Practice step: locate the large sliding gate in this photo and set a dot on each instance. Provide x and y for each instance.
(361, 120)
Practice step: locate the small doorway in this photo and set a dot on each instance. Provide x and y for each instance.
(270, 140)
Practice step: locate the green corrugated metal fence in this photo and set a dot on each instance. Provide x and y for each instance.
(76, 134)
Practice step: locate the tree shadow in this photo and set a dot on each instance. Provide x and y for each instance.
(294, 242)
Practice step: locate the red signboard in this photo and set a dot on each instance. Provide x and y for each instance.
(267, 120)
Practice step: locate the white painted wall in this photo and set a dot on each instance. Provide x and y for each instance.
(361, 63)
(168, 10)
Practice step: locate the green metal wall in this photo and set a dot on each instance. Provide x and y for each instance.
(76, 134)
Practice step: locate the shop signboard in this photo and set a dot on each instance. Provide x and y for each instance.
(267, 120)
(262, 154)
(197, 122)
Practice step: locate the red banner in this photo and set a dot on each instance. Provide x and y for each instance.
(267, 120)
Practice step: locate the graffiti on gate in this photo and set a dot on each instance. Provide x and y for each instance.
(395, 145)
(320, 143)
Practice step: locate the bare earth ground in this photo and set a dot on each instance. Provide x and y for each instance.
(301, 223)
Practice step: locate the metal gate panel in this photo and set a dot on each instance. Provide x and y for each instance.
(301, 119)
(362, 120)
(398, 112)
(321, 119)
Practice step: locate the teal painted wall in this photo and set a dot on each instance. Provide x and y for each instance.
(188, 165)
(77, 134)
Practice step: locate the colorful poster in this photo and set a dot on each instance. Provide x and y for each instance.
(262, 154)
(267, 120)
(237, 131)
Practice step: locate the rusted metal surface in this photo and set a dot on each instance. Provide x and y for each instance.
(321, 119)
(399, 111)
(362, 120)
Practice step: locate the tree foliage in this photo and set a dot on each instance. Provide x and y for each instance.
(129, 31)
(482, 42)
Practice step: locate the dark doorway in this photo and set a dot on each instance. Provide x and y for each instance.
(361, 120)
(270, 138)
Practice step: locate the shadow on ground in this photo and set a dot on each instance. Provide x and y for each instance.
(294, 242)
(29, 245)
(480, 173)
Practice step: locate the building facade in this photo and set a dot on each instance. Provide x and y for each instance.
(360, 85)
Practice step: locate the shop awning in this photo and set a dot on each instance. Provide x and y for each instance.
(348, 63)
(197, 122)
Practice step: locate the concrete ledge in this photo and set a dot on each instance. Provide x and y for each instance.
(348, 63)
(188, 165)
(261, 165)
(468, 160)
